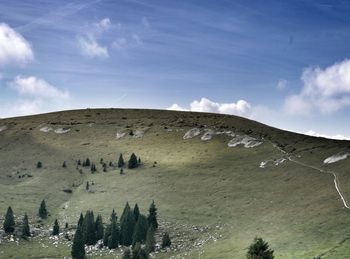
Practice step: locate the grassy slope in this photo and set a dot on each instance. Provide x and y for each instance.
(195, 183)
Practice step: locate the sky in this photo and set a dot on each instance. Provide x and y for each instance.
(283, 63)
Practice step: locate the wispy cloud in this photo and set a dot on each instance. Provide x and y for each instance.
(337, 136)
(14, 49)
(324, 90)
(88, 41)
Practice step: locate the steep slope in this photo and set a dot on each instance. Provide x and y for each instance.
(218, 180)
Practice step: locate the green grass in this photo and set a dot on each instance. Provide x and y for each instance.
(196, 185)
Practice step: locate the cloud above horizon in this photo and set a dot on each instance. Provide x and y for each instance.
(240, 108)
(14, 48)
(324, 90)
(88, 41)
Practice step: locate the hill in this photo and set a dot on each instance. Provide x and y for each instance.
(217, 180)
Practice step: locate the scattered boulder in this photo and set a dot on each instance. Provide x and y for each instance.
(192, 133)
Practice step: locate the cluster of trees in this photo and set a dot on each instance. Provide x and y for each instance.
(260, 249)
(10, 224)
(133, 228)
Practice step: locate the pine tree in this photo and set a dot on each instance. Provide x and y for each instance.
(107, 235)
(110, 163)
(87, 162)
(143, 254)
(132, 161)
(9, 222)
(140, 231)
(127, 226)
(56, 228)
(150, 240)
(42, 210)
(93, 168)
(25, 227)
(259, 249)
(78, 248)
(136, 251)
(136, 212)
(81, 220)
(139, 161)
(121, 162)
(79, 162)
(87, 186)
(64, 165)
(126, 209)
(115, 234)
(39, 165)
(127, 254)
(99, 228)
(166, 242)
(152, 216)
(89, 234)
(104, 167)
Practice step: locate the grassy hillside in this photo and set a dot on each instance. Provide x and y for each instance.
(213, 199)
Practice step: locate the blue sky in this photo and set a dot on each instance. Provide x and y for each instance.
(283, 63)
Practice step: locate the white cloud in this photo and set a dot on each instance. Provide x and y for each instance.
(324, 90)
(14, 49)
(337, 136)
(282, 84)
(88, 41)
(240, 108)
(36, 87)
(176, 107)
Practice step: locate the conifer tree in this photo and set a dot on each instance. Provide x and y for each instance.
(121, 162)
(150, 240)
(42, 210)
(110, 163)
(79, 162)
(143, 254)
(259, 249)
(93, 168)
(166, 242)
(108, 230)
(56, 228)
(136, 212)
(87, 187)
(87, 162)
(99, 228)
(126, 209)
(9, 222)
(132, 161)
(104, 167)
(78, 248)
(152, 216)
(115, 234)
(136, 251)
(140, 231)
(127, 226)
(39, 165)
(81, 220)
(25, 227)
(139, 161)
(127, 254)
(89, 234)
(64, 165)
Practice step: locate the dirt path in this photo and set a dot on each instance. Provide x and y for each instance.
(335, 178)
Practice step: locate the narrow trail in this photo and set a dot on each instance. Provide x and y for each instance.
(335, 178)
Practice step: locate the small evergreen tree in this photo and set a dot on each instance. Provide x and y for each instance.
(56, 228)
(78, 248)
(132, 161)
(39, 165)
(139, 161)
(121, 162)
(152, 216)
(101, 161)
(99, 228)
(121, 171)
(42, 210)
(89, 234)
(114, 237)
(79, 162)
(166, 242)
(259, 249)
(81, 220)
(136, 212)
(127, 254)
(150, 240)
(110, 163)
(66, 225)
(127, 226)
(64, 165)
(93, 168)
(104, 167)
(87, 186)
(25, 227)
(107, 235)
(140, 231)
(87, 162)
(125, 211)
(9, 222)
